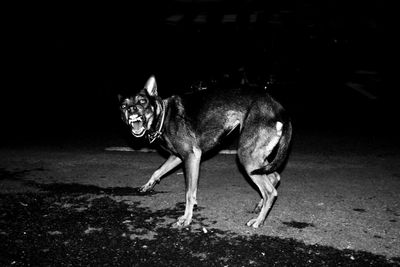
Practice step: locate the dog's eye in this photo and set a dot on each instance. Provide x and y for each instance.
(142, 101)
(123, 106)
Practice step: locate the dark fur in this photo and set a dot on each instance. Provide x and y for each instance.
(195, 124)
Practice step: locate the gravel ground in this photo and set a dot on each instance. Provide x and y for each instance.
(68, 205)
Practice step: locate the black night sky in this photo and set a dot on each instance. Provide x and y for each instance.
(328, 62)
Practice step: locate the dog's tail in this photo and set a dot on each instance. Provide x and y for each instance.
(281, 153)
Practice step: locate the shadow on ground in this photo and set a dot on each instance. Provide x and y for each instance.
(71, 224)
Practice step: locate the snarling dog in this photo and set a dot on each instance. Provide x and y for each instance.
(190, 125)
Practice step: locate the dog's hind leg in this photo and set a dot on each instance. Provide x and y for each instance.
(167, 166)
(251, 157)
(268, 193)
(274, 178)
(192, 167)
(256, 142)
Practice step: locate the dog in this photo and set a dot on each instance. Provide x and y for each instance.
(190, 125)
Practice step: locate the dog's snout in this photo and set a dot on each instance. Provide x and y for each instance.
(133, 109)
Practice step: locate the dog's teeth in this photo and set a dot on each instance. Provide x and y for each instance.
(135, 120)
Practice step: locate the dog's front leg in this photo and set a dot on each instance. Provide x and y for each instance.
(192, 166)
(168, 165)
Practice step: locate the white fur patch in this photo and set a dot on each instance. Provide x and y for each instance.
(279, 126)
(275, 139)
(272, 143)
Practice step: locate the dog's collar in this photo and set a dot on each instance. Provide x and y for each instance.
(152, 136)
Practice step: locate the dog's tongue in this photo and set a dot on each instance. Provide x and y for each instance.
(137, 126)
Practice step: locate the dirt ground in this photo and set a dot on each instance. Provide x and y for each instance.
(338, 202)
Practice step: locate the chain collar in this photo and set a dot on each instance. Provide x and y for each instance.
(152, 136)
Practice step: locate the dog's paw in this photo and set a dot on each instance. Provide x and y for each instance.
(147, 187)
(183, 221)
(255, 223)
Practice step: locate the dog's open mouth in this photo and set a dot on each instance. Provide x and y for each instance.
(137, 126)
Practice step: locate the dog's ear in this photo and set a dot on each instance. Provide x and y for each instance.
(119, 97)
(151, 86)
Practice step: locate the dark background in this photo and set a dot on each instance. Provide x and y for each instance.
(65, 64)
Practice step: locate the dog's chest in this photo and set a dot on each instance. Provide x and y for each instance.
(178, 144)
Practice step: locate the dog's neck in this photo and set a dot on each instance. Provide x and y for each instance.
(157, 131)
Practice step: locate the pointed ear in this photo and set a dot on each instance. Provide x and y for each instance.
(119, 97)
(151, 86)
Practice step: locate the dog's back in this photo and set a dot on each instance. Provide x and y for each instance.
(214, 113)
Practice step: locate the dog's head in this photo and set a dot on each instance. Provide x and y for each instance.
(138, 111)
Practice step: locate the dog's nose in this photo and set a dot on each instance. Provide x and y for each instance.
(132, 109)
(135, 109)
